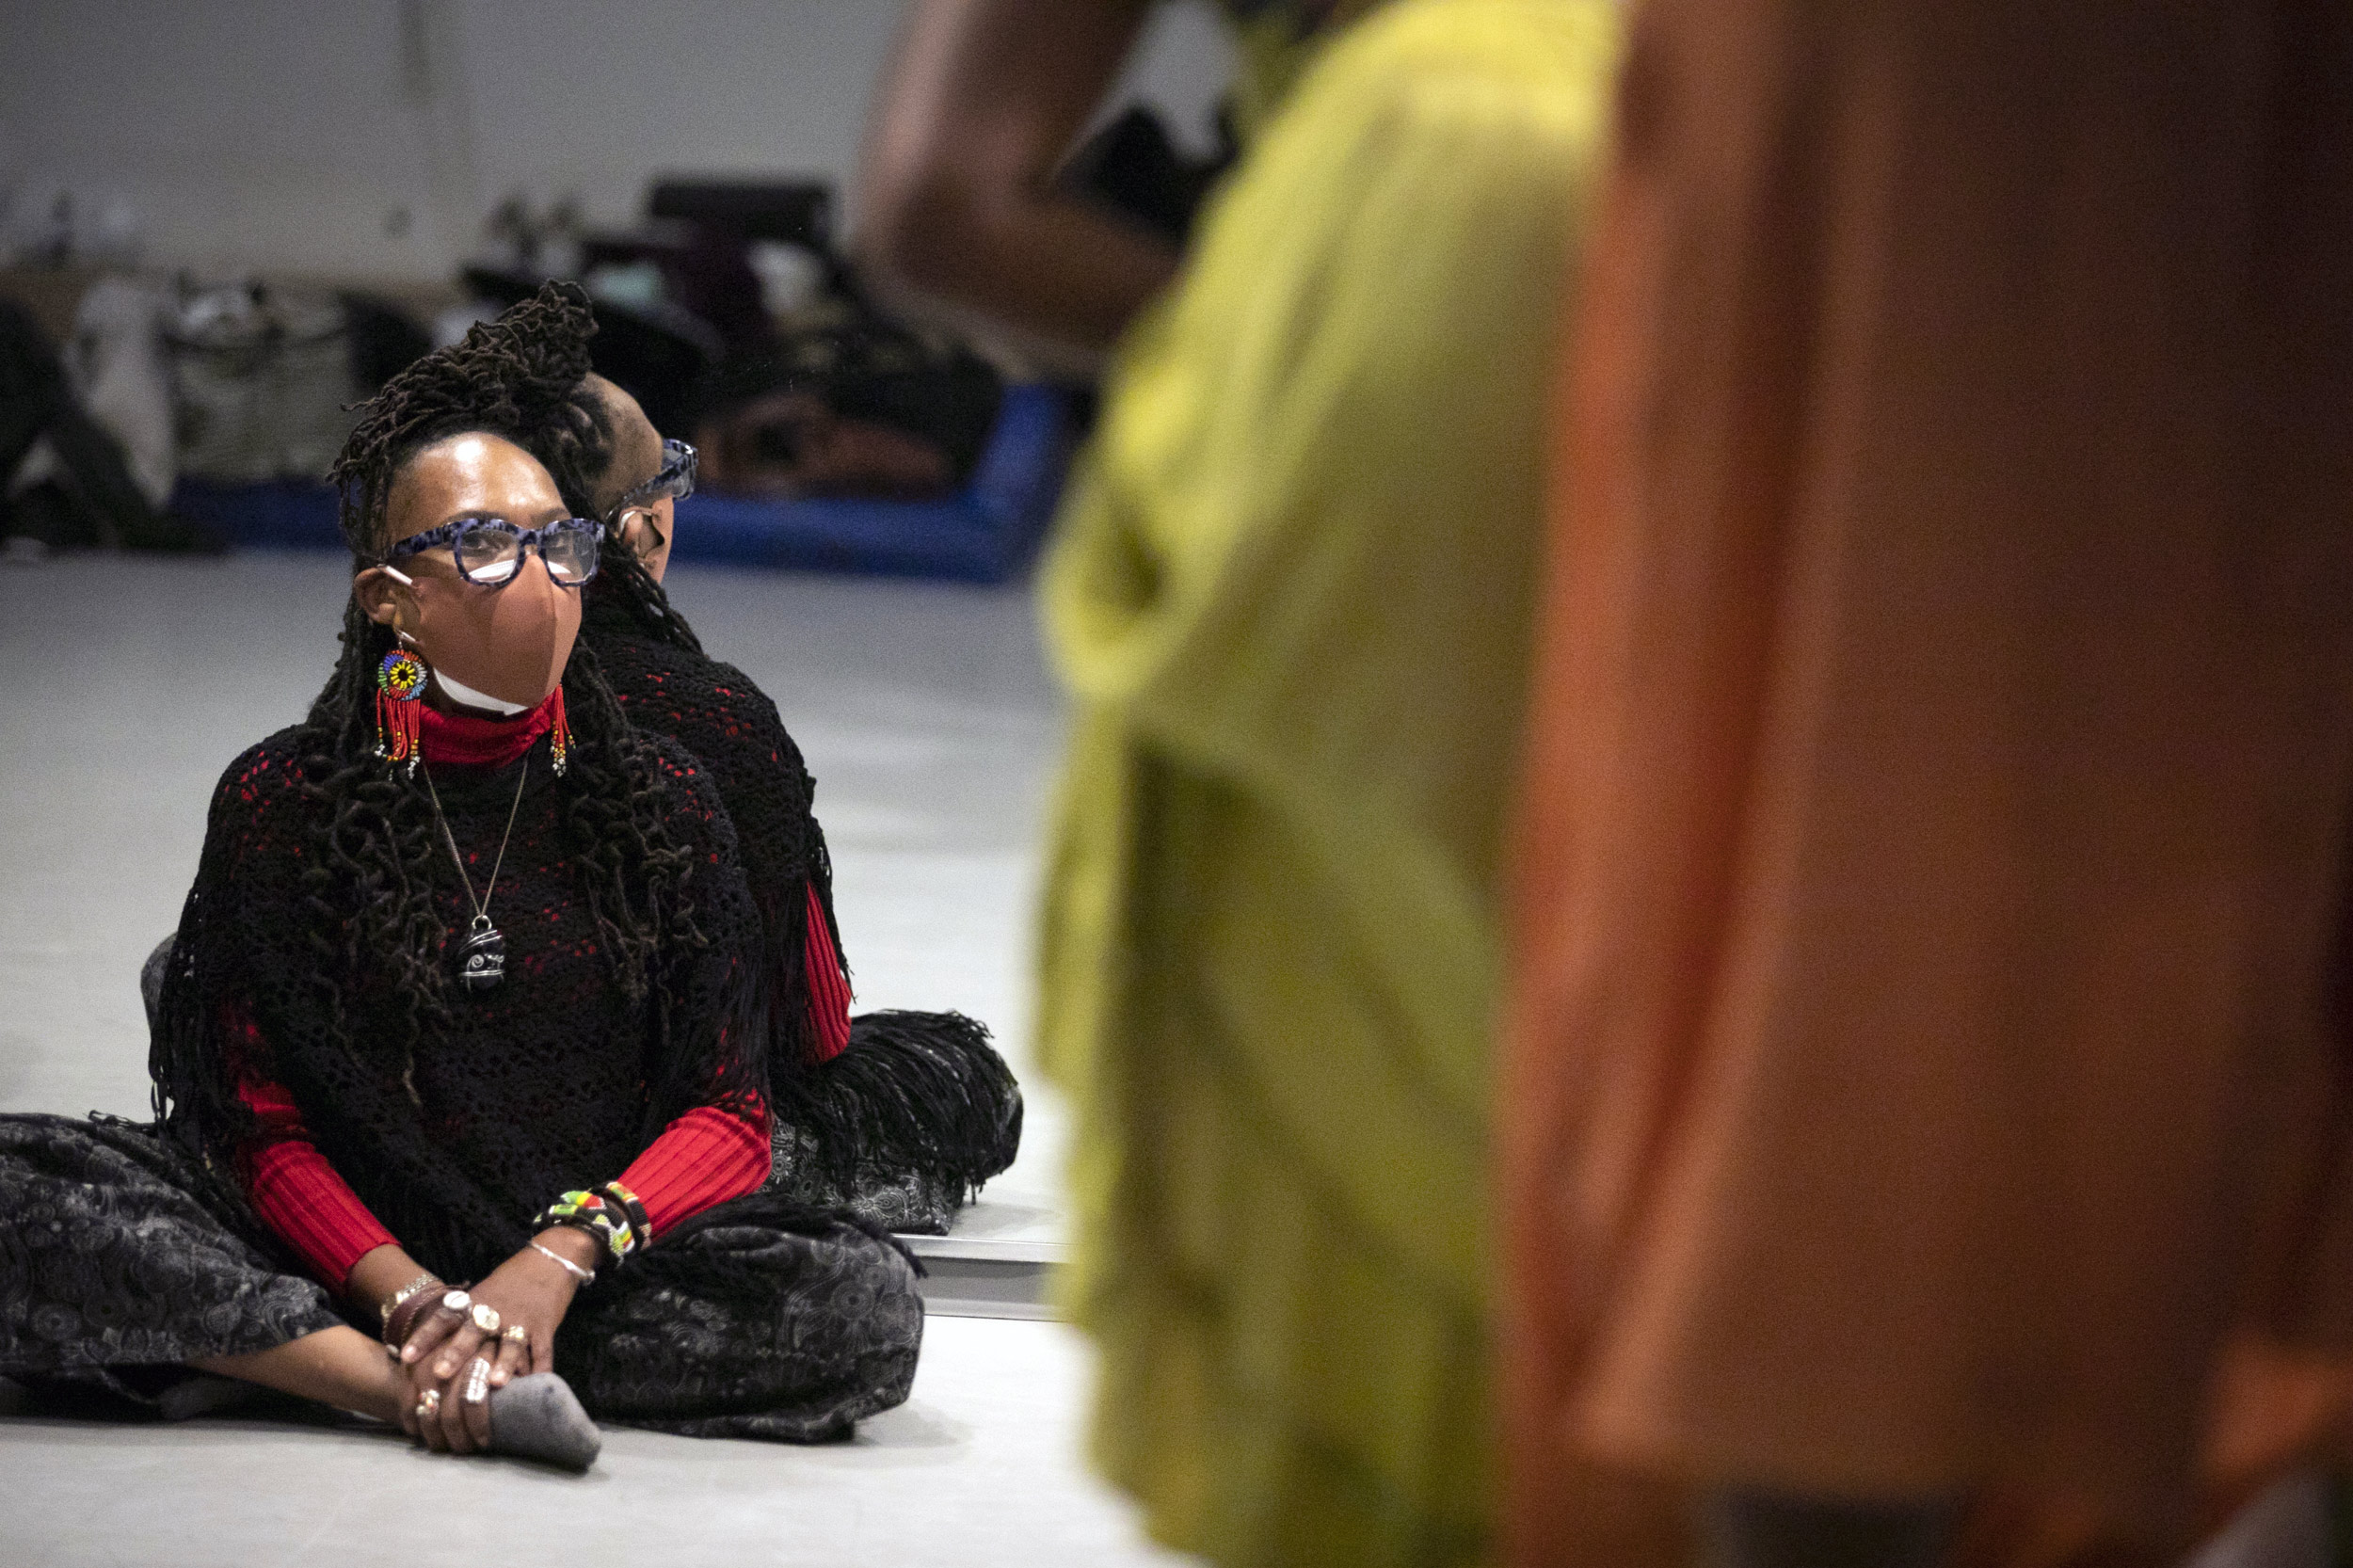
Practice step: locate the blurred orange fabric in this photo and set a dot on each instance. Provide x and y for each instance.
(1921, 1078)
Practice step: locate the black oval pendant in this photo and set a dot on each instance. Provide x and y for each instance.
(482, 958)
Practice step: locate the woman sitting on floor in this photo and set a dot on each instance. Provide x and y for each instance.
(898, 1115)
(470, 987)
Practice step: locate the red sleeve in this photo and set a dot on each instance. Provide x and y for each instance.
(298, 1194)
(829, 992)
(706, 1157)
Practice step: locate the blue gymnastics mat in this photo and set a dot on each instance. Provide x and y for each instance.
(987, 532)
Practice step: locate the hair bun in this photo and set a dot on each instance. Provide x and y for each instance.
(514, 377)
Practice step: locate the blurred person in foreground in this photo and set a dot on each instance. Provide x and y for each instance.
(1290, 597)
(964, 213)
(1925, 1112)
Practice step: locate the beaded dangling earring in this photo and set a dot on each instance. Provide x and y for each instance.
(559, 734)
(399, 708)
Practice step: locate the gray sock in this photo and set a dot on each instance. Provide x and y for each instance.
(537, 1417)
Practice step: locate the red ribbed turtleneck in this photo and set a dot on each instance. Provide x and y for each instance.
(483, 740)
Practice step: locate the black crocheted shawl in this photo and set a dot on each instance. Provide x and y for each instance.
(456, 1132)
(728, 723)
(917, 1091)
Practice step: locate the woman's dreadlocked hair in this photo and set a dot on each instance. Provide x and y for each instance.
(373, 857)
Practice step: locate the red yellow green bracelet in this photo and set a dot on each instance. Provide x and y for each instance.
(611, 1213)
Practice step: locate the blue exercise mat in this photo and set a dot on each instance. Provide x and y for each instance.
(987, 532)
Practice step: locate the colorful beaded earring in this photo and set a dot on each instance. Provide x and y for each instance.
(399, 708)
(559, 734)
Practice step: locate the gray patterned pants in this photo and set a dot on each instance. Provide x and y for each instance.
(759, 1319)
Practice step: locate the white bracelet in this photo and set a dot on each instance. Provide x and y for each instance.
(566, 1264)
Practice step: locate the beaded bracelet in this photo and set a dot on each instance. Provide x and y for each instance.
(611, 1213)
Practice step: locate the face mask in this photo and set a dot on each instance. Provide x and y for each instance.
(509, 643)
(466, 697)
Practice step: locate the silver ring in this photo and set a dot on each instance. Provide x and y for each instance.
(456, 1301)
(477, 1381)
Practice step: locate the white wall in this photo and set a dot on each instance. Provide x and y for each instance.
(366, 138)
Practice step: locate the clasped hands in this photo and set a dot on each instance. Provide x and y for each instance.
(454, 1356)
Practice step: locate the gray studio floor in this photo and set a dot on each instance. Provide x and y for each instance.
(928, 719)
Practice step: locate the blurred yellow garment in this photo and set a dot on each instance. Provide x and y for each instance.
(1291, 596)
(1275, 42)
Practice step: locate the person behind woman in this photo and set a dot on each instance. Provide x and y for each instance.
(898, 1116)
(468, 989)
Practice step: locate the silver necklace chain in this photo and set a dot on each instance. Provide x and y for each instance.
(482, 904)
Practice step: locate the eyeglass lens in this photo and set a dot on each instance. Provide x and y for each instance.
(677, 469)
(489, 552)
